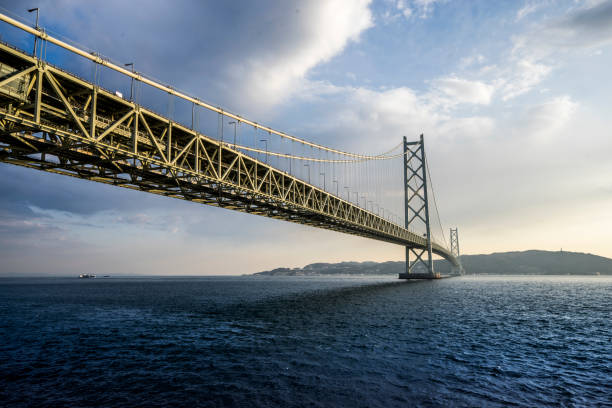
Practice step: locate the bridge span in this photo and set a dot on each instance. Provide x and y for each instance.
(55, 121)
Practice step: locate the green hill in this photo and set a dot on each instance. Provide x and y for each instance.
(502, 263)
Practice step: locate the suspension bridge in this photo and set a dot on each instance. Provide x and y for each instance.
(55, 120)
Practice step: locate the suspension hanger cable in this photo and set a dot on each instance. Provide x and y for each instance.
(435, 202)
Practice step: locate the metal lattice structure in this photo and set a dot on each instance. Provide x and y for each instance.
(454, 242)
(454, 248)
(54, 121)
(419, 261)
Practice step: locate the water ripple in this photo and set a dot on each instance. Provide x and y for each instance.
(294, 342)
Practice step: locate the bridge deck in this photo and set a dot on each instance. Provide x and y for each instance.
(54, 121)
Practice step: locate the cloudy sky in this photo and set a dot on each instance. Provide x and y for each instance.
(513, 97)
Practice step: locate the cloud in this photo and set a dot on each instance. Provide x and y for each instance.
(32, 227)
(585, 27)
(408, 10)
(532, 56)
(524, 76)
(364, 119)
(528, 8)
(58, 193)
(472, 60)
(453, 91)
(322, 30)
(404, 9)
(425, 6)
(535, 53)
(549, 118)
(588, 27)
(475, 127)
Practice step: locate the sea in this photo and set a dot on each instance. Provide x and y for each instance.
(336, 341)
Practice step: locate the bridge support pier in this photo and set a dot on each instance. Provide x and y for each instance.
(416, 210)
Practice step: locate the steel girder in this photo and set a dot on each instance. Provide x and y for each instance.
(54, 121)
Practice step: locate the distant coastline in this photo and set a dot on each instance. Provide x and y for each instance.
(532, 262)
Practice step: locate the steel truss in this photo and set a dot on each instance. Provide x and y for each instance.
(454, 248)
(54, 121)
(417, 210)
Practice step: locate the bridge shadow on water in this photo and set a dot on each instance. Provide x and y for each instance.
(316, 305)
(350, 344)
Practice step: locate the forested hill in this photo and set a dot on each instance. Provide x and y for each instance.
(503, 263)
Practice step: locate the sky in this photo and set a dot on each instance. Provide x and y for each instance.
(513, 98)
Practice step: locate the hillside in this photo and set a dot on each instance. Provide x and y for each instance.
(502, 263)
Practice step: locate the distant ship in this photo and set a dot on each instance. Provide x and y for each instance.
(86, 275)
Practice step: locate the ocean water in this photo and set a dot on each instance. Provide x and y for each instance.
(306, 342)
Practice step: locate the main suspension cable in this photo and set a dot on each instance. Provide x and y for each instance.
(382, 156)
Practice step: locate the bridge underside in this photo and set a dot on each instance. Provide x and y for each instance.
(53, 121)
(420, 276)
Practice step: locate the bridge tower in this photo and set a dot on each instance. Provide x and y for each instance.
(416, 210)
(454, 242)
(454, 248)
